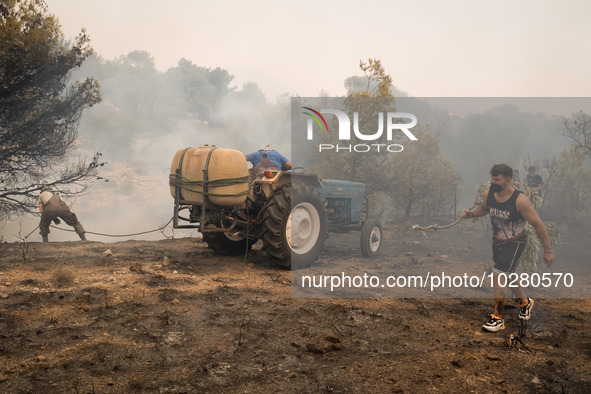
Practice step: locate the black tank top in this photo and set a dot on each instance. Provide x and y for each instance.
(508, 224)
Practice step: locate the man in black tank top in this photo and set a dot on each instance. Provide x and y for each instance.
(509, 210)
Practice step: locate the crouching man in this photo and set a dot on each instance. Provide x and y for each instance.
(52, 207)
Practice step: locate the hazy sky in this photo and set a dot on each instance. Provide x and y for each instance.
(430, 48)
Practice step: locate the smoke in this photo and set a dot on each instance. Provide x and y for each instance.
(476, 133)
(147, 115)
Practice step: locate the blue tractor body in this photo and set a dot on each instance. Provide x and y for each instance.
(346, 204)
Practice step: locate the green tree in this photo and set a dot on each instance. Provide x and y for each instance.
(375, 97)
(378, 82)
(578, 129)
(420, 181)
(198, 90)
(131, 83)
(566, 198)
(416, 180)
(40, 108)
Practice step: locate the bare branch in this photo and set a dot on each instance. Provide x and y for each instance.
(578, 129)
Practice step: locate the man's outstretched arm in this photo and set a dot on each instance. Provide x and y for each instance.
(481, 210)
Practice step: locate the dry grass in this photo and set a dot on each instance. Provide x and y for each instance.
(63, 277)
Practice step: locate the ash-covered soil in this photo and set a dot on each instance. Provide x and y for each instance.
(169, 316)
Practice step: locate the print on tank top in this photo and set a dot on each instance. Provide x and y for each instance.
(508, 224)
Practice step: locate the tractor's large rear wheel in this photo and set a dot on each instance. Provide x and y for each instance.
(227, 244)
(294, 226)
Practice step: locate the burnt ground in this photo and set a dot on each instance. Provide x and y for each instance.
(169, 316)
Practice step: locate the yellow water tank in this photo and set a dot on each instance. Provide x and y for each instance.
(227, 175)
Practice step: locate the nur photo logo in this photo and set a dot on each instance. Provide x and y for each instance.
(388, 125)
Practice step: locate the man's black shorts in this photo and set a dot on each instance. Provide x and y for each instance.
(506, 256)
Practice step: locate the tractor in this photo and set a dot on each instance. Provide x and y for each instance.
(290, 212)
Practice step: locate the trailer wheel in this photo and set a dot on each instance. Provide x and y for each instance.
(227, 244)
(371, 238)
(294, 226)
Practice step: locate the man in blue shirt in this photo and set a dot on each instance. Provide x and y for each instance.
(268, 159)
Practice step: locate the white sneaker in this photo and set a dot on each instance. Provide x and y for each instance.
(525, 311)
(494, 324)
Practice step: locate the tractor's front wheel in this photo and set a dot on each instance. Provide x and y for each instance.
(371, 238)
